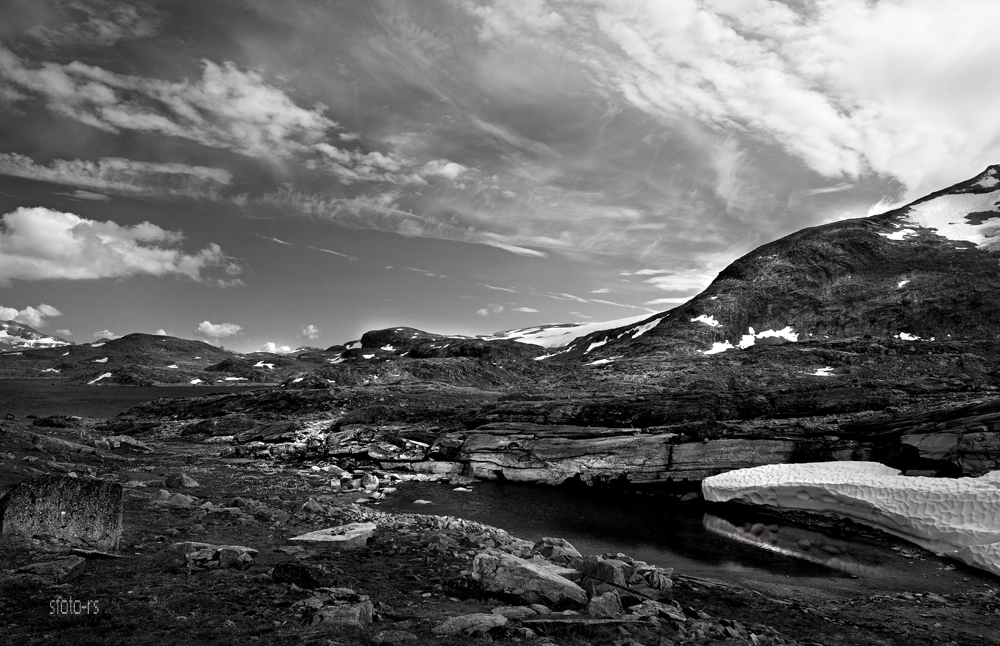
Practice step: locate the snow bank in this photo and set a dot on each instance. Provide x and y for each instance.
(707, 320)
(951, 517)
(94, 381)
(946, 214)
(555, 336)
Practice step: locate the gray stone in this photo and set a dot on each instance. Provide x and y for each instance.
(509, 575)
(556, 550)
(514, 612)
(610, 571)
(181, 480)
(393, 637)
(206, 556)
(473, 624)
(83, 512)
(607, 605)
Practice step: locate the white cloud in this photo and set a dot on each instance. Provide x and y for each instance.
(218, 330)
(106, 334)
(161, 332)
(525, 309)
(603, 290)
(492, 308)
(93, 22)
(270, 346)
(225, 108)
(123, 176)
(442, 168)
(686, 280)
(850, 87)
(64, 333)
(309, 332)
(39, 243)
(34, 317)
(674, 300)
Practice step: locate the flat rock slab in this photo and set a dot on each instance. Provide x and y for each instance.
(84, 512)
(57, 571)
(344, 537)
(469, 624)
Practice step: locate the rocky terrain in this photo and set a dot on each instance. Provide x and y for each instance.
(870, 339)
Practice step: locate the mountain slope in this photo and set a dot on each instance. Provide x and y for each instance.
(927, 270)
(18, 336)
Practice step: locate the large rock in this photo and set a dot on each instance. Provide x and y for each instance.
(607, 605)
(181, 480)
(473, 624)
(358, 615)
(343, 537)
(556, 550)
(84, 512)
(52, 572)
(206, 556)
(304, 575)
(514, 577)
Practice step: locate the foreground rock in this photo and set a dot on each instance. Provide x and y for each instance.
(205, 556)
(51, 572)
(343, 537)
(474, 624)
(525, 581)
(83, 512)
(950, 517)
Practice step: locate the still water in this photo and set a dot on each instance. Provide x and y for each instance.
(654, 529)
(23, 397)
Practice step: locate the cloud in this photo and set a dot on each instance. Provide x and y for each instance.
(39, 244)
(686, 280)
(88, 195)
(218, 330)
(161, 332)
(281, 242)
(270, 346)
(34, 317)
(581, 315)
(122, 176)
(226, 108)
(602, 290)
(441, 168)
(106, 334)
(309, 332)
(95, 23)
(64, 333)
(492, 308)
(530, 310)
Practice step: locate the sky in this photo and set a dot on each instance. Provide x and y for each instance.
(267, 175)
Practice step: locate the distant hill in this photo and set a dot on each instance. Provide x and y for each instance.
(18, 336)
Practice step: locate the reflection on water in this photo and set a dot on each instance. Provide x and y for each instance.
(851, 557)
(654, 529)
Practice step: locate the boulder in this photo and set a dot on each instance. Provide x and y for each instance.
(84, 512)
(610, 571)
(369, 482)
(313, 507)
(473, 624)
(358, 615)
(515, 612)
(514, 577)
(343, 537)
(304, 575)
(181, 480)
(607, 605)
(556, 550)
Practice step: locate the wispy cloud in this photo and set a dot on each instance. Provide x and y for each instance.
(94, 22)
(527, 310)
(492, 308)
(122, 176)
(40, 244)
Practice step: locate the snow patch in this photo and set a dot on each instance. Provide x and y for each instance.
(104, 360)
(600, 362)
(104, 376)
(706, 319)
(195, 382)
(751, 337)
(261, 364)
(65, 353)
(297, 380)
(173, 365)
(719, 346)
(388, 348)
(823, 372)
(353, 345)
(899, 235)
(906, 336)
(946, 214)
(96, 345)
(595, 345)
(954, 517)
(368, 356)
(50, 370)
(234, 379)
(558, 335)
(642, 329)
(901, 283)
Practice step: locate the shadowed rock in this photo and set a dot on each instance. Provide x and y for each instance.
(83, 512)
(528, 582)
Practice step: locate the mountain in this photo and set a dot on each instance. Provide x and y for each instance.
(560, 334)
(927, 270)
(18, 336)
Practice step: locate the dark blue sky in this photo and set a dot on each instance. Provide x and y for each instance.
(298, 172)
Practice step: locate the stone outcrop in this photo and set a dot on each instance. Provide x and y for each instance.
(513, 577)
(206, 556)
(343, 537)
(83, 512)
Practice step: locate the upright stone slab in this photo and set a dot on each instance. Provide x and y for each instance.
(84, 512)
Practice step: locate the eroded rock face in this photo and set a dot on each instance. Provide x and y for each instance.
(84, 512)
(528, 582)
(952, 517)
